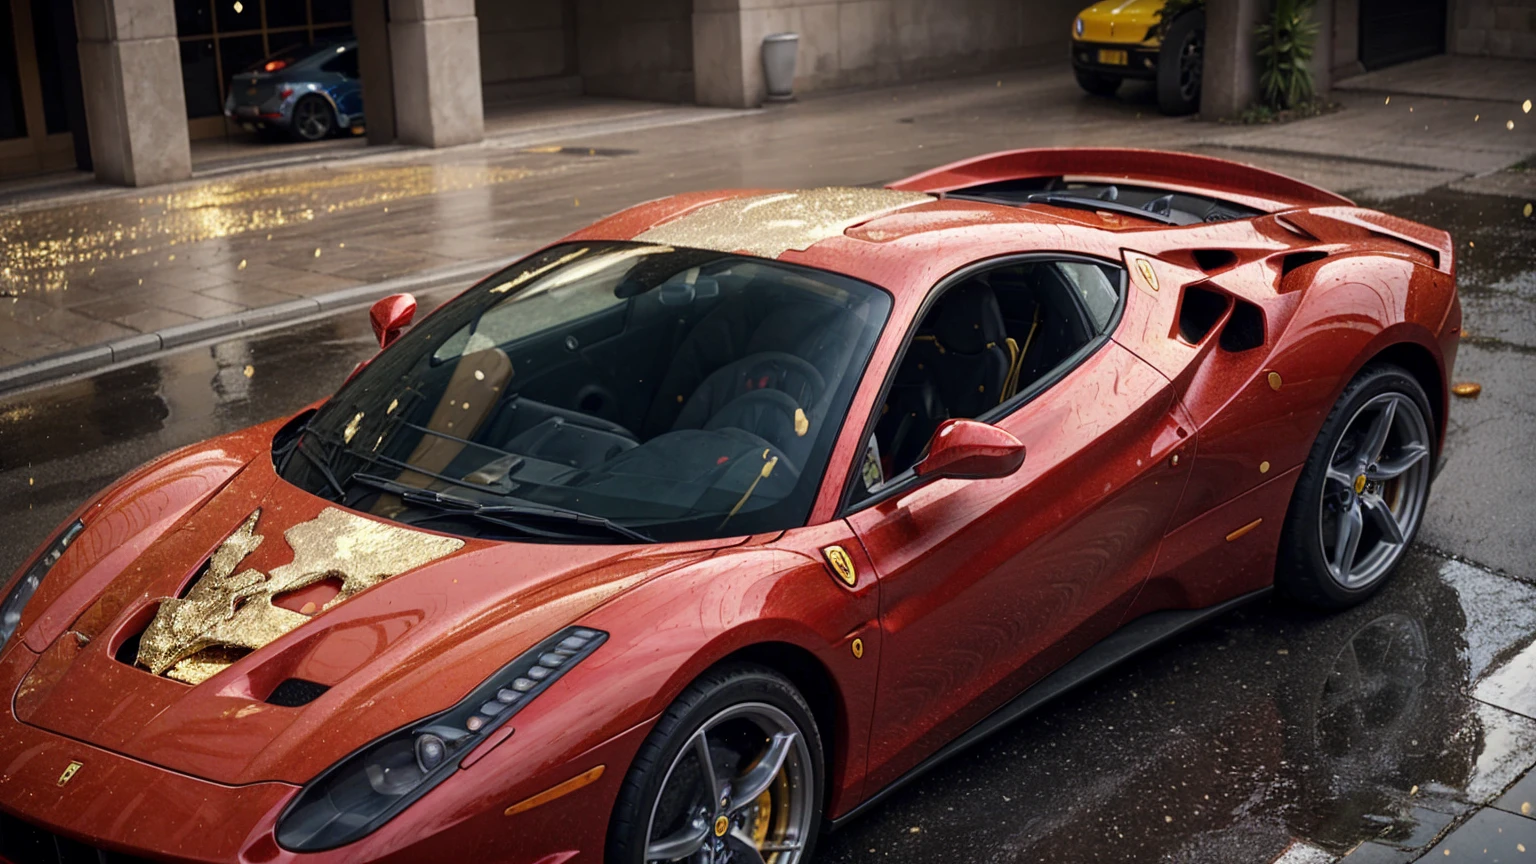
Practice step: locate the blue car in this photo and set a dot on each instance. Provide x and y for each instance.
(309, 91)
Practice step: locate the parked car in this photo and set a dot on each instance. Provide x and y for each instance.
(310, 92)
(712, 523)
(1116, 40)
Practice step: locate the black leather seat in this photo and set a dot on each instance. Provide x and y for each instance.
(958, 365)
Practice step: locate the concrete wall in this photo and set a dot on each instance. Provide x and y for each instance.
(525, 39)
(1493, 28)
(863, 42)
(641, 49)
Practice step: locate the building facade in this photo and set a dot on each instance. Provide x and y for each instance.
(159, 70)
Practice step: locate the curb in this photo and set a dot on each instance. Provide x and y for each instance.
(74, 362)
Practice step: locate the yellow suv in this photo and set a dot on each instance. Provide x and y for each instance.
(1119, 39)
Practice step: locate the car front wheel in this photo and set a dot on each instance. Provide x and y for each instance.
(732, 772)
(1361, 495)
(1181, 65)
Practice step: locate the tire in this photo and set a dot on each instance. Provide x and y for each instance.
(1096, 84)
(751, 699)
(313, 119)
(1328, 507)
(1180, 65)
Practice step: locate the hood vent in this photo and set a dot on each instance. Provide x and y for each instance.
(295, 692)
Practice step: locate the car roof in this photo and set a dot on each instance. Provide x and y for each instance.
(900, 240)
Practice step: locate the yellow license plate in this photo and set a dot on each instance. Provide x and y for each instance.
(1114, 58)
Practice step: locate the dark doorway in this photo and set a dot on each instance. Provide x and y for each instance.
(1395, 31)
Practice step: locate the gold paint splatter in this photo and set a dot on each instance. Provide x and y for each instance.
(1467, 389)
(341, 245)
(393, 404)
(307, 608)
(31, 481)
(466, 406)
(317, 251)
(1275, 381)
(802, 423)
(350, 432)
(1526, 106)
(578, 202)
(242, 264)
(1414, 790)
(479, 375)
(1389, 100)
(1525, 808)
(1263, 467)
(1476, 117)
(1528, 210)
(1510, 125)
(249, 370)
(227, 609)
(770, 225)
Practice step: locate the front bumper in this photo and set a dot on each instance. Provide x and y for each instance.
(126, 808)
(1141, 59)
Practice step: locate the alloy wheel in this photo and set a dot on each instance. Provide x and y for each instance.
(312, 118)
(1374, 491)
(1191, 65)
(739, 792)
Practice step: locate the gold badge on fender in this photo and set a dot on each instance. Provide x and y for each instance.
(842, 565)
(1147, 273)
(69, 773)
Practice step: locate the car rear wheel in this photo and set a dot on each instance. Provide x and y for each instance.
(1098, 85)
(1181, 64)
(1361, 495)
(732, 772)
(312, 119)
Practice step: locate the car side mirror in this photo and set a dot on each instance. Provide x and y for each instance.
(390, 315)
(969, 450)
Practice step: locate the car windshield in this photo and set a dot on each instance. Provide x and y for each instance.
(602, 391)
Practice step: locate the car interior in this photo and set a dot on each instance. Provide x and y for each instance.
(673, 386)
(990, 338)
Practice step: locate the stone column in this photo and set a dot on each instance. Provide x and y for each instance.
(1231, 75)
(435, 51)
(135, 107)
(720, 73)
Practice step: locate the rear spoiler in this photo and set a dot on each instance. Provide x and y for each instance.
(1176, 172)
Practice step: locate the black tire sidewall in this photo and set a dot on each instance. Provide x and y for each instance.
(1302, 573)
(1096, 84)
(712, 693)
(1169, 99)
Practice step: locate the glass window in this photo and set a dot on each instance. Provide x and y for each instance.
(333, 35)
(13, 117)
(235, 16)
(49, 70)
(286, 13)
(602, 389)
(240, 52)
(331, 11)
(990, 337)
(344, 63)
(200, 78)
(194, 17)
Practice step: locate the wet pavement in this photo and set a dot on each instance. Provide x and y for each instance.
(85, 269)
(1269, 734)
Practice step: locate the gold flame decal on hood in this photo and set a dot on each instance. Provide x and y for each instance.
(227, 613)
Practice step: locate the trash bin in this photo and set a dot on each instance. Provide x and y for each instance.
(780, 50)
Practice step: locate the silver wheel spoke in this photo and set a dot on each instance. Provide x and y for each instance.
(1411, 455)
(745, 792)
(1376, 436)
(1385, 519)
(700, 745)
(680, 845)
(743, 849)
(1351, 526)
(1341, 477)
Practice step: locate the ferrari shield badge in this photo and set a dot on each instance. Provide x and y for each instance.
(69, 773)
(841, 564)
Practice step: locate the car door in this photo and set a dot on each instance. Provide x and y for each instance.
(988, 585)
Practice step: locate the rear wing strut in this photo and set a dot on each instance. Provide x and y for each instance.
(1175, 172)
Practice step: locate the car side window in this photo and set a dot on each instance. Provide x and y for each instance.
(991, 336)
(343, 64)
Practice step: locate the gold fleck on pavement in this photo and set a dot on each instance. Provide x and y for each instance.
(1467, 389)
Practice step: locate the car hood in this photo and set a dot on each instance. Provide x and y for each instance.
(1120, 20)
(282, 597)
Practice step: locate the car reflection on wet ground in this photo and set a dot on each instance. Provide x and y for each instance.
(1270, 733)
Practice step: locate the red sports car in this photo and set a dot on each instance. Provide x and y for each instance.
(710, 525)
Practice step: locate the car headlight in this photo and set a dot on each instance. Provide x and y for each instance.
(22, 591)
(357, 795)
(1078, 27)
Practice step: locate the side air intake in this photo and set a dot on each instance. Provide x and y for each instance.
(1199, 312)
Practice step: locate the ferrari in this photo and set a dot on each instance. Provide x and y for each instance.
(701, 531)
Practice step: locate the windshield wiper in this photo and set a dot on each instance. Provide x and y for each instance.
(505, 515)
